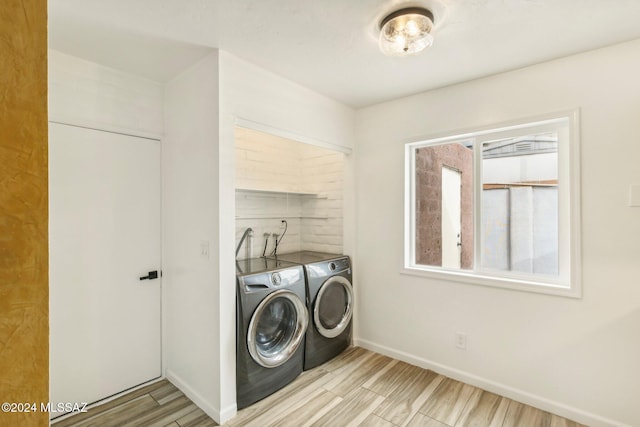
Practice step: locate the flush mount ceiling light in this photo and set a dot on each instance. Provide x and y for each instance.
(406, 31)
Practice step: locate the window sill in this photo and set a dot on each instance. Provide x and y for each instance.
(516, 284)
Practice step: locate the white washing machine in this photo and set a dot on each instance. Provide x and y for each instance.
(329, 301)
(271, 322)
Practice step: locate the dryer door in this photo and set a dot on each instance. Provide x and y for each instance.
(333, 307)
(277, 328)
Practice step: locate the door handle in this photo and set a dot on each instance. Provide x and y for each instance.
(152, 275)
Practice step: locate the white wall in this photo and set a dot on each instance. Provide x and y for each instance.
(88, 94)
(258, 97)
(84, 93)
(191, 291)
(300, 183)
(323, 215)
(574, 357)
(268, 162)
(201, 108)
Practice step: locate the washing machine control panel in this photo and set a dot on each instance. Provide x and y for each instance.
(272, 279)
(276, 279)
(339, 265)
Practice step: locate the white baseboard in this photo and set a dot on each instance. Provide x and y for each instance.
(227, 413)
(545, 404)
(219, 416)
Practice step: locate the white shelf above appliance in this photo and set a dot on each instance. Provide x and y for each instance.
(275, 192)
(292, 198)
(280, 217)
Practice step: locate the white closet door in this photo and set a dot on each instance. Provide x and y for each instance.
(104, 206)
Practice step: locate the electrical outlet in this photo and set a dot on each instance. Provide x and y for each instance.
(461, 340)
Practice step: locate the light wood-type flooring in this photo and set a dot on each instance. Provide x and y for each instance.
(160, 404)
(357, 388)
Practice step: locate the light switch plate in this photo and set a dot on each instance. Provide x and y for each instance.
(634, 195)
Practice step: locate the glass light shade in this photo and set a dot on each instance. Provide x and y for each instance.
(406, 32)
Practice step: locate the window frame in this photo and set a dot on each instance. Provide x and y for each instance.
(568, 282)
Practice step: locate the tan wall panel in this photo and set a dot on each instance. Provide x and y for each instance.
(24, 296)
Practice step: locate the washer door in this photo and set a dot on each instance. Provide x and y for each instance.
(334, 307)
(277, 328)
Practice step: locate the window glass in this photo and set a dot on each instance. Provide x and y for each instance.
(520, 204)
(444, 205)
(499, 204)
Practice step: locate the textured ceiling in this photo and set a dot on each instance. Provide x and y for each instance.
(330, 46)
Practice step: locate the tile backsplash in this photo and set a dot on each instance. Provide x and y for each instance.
(278, 179)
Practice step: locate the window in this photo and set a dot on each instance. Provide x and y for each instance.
(497, 207)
